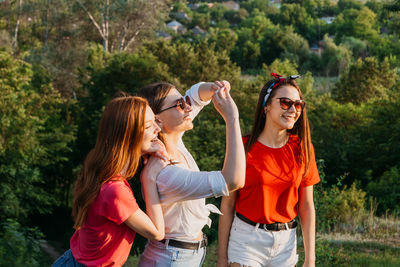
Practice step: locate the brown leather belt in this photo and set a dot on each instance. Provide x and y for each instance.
(278, 226)
(186, 245)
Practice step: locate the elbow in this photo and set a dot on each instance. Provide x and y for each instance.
(240, 185)
(158, 237)
(236, 185)
(235, 179)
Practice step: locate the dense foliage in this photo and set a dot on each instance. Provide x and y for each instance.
(59, 67)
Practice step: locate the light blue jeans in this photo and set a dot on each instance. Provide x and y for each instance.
(67, 260)
(157, 254)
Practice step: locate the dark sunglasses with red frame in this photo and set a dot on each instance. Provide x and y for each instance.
(181, 102)
(287, 103)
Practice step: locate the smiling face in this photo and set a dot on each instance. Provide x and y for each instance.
(151, 130)
(174, 120)
(276, 116)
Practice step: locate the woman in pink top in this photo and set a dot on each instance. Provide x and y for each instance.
(105, 211)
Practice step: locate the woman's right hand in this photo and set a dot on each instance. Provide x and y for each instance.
(224, 104)
(153, 166)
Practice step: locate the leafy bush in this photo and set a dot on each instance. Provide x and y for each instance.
(339, 208)
(327, 254)
(19, 246)
(35, 141)
(387, 190)
(365, 79)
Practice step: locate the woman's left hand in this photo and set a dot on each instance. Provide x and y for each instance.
(152, 168)
(157, 151)
(220, 84)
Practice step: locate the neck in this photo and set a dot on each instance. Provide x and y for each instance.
(273, 137)
(171, 143)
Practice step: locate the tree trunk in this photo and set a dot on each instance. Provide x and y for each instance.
(15, 37)
(103, 30)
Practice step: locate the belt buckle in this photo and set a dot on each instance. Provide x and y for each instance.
(203, 242)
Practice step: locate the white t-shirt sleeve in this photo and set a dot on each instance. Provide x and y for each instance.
(175, 183)
(197, 103)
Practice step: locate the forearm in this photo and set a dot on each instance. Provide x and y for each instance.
(224, 227)
(153, 207)
(205, 92)
(235, 160)
(307, 219)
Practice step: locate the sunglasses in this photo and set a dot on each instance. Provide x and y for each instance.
(181, 102)
(287, 103)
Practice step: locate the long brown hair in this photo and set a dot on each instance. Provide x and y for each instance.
(301, 128)
(155, 94)
(118, 147)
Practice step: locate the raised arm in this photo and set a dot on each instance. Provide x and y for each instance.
(207, 89)
(150, 225)
(235, 160)
(224, 228)
(201, 94)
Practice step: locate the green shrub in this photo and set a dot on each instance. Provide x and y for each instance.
(340, 208)
(387, 191)
(19, 246)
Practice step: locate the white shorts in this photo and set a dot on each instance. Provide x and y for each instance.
(256, 247)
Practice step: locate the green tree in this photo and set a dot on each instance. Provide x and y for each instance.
(386, 190)
(335, 58)
(284, 67)
(217, 12)
(349, 4)
(120, 23)
(357, 23)
(236, 17)
(296, 16)
(358, 47)
(102, 78)
(260, 5)
(35, 141)
(258, 23)
(284, 43)
(20, 246)
(202, 20)
(190, 63)
(334, 133)
(248, 47)
(356, 139)
(365, 79)
(224, 39)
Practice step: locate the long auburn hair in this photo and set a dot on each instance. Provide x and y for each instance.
(155, 95)
(118, 148)
(301, 128)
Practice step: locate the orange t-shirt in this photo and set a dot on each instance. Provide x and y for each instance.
(273, 177)
(103, 239)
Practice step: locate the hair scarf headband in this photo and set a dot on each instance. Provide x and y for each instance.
(275, 84)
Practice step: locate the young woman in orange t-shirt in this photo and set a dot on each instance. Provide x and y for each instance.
(258, 226)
